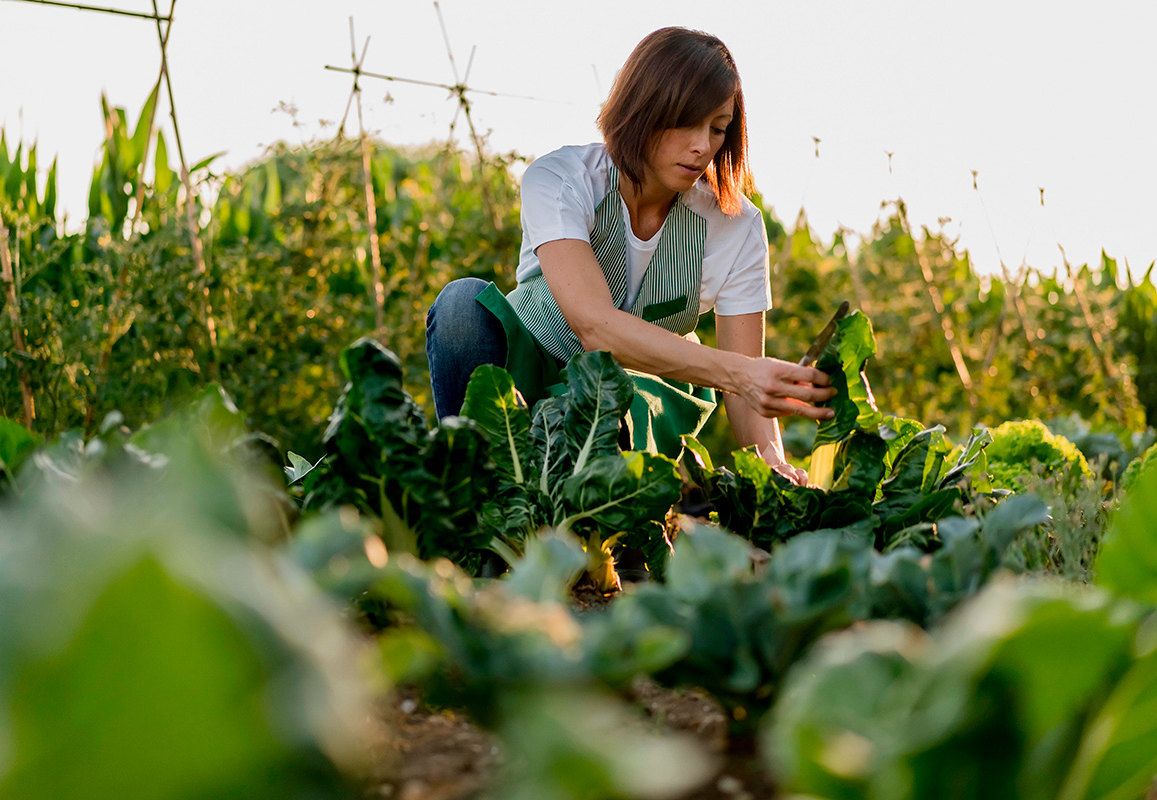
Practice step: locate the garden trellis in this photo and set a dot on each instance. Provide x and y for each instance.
(459, 90)
(164, 24)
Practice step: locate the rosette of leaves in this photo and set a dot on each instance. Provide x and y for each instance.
(469, 644)
(1032, 690)
(1019, 445)
(746, 626)
(562, 467)
(382, 458)
(889, 475)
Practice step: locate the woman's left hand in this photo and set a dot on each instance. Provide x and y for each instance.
(794, 474)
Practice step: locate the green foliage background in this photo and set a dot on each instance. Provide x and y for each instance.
(115, 316)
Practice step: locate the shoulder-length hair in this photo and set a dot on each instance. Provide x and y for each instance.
(675, 78)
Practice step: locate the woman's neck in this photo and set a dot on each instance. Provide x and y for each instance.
(647, 205)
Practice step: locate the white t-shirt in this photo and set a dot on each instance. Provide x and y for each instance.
(561, 190)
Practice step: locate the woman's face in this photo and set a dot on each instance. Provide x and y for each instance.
(680, 156)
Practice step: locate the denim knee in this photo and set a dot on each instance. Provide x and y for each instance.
(460, 335)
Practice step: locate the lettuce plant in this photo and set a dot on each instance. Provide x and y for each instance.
(1019, 444)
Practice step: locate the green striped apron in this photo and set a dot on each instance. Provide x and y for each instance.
(539, 341)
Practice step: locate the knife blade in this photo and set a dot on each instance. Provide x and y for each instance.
(821, 341)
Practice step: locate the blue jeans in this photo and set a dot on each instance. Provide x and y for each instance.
(461, 335)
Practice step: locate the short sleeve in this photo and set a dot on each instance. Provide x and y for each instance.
(746, 289)
(556, 203)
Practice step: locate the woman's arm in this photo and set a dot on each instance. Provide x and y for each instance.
(744, 333)
(767, 386)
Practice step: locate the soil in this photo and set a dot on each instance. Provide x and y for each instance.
(440, 755)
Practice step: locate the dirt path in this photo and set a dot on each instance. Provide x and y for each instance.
(440, 755)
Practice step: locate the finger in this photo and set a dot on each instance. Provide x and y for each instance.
(820, 378)
(798, 374)
(786, 406)
(808, 393)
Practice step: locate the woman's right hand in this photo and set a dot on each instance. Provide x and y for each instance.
(775, 388)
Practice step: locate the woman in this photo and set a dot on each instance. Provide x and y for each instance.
(625, 244)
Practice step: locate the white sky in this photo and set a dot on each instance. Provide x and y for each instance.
(1029, 93)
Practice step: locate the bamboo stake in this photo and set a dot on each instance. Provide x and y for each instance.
(8, 275)
(379, 290)
(998, 335)
(1104, 349)
(946, 326)
(123, 274)
(199, 270)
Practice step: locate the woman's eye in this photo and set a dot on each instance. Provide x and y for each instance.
(719, 131)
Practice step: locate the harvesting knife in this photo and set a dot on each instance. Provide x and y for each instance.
(821, 341)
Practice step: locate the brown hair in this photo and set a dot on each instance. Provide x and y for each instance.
(674, 78)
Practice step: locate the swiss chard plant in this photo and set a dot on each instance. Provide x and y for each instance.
(382, 458)
(889, 476)
(562, 467)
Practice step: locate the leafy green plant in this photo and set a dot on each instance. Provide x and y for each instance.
(16, 444)
(1018, 444)
(1067, 544)
(1024, 693)
(889, 475)
(563, 467)
(1146, 462)
(1127, 562)
(471, 643)
(383, 459)
(748, 626)
(514, 655)
(154, 646)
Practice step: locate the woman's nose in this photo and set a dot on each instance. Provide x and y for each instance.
(699, 142)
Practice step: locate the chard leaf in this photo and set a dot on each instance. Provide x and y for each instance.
(897, 432)
(915, 463)
(859, 464)
(598, 396)
(16, 444)
(703, 559)
(383, 459)
(619, 492)
(750, 466)
(374, 401)
(697, 461)
(843, 360)
(440, 503)
(911, 510)
(899, 586)
(513, 515)
(493, 404)
(971, 462)
(1118, 755)
(550, 456)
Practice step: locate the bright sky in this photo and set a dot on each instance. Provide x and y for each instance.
(1029, 93)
